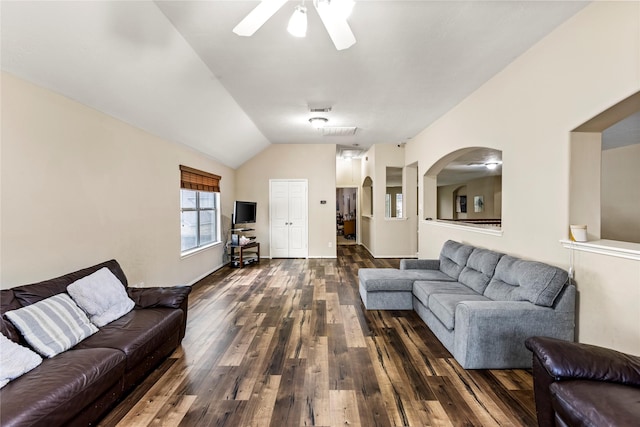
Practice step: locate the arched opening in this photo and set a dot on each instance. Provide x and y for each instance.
(367, 197)
(465, 187)
(605, 154)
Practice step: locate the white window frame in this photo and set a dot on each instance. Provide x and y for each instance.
(216, 203)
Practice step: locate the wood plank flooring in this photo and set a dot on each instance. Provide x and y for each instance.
(287, 342)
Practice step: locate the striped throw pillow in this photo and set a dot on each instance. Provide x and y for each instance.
(52, 325)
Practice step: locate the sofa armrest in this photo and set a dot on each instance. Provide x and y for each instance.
(491, 334)
(419, 264)
(569, 360)
(171, 297)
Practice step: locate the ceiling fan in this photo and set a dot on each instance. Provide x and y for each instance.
(331, 12)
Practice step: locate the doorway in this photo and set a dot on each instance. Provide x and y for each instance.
(346, 214)
(288, 217)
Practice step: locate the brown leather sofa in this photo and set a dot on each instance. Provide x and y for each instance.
(78, 386)
(584, 385)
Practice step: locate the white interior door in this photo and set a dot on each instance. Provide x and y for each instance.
(279, 219)
(288, 219)
(298, 219)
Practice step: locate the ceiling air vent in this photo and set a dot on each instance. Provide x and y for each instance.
(320, 109)
(338, 130)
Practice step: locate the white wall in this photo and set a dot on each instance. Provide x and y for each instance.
(314, 162)
(80, 187)
(527, 111)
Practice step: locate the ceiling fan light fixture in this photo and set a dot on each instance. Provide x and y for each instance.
(318, 122)
(342, 8)
(298, 22)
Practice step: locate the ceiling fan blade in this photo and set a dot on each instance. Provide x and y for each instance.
(338, 28)
(258, 16)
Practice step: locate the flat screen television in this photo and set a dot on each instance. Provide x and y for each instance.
(244, 212)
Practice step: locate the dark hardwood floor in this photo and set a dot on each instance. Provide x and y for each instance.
(287, 342)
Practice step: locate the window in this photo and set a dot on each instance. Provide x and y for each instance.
(399, 205)
(199, 209)
(198, 218)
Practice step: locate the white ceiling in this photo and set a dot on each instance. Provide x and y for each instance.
(175, 69)
(625, 132)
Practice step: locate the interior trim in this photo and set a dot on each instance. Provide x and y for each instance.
(465, 227)
(613, 248)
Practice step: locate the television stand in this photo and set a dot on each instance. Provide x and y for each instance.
(242, 255)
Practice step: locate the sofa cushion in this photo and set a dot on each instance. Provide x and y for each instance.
(595, 403)
(443, 306)
(168, 296)
(422, 290)
(453, 258)
(102, 296)
(28, 294)
(15, 360)
(52, 325)
(520, 280)
(392, 279)
(54, 392)
(479, 269)
(8, 302)
(138, 333)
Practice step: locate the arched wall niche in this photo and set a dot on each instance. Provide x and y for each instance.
(465, 186)
(367, 196)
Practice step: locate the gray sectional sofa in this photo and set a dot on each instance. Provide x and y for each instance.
(481, 304)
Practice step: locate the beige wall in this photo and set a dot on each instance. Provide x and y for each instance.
(348, 173)
(80, 187)
(386, 237)
(368, 199)
(584, 181)
(527, 111)
(489, 187)
(313, 162)
(620, 198)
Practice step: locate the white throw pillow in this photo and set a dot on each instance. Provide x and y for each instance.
(102, 296)
(52, 325)
(15, 360)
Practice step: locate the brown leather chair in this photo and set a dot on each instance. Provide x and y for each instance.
(584, 385)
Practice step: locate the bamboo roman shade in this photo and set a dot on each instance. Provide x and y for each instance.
(194, 179)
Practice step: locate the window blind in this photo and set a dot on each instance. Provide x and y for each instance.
(194, 179)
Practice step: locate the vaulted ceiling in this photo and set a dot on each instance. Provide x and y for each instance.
(176, 69)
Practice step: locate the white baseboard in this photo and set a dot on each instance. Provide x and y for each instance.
(197, 279)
